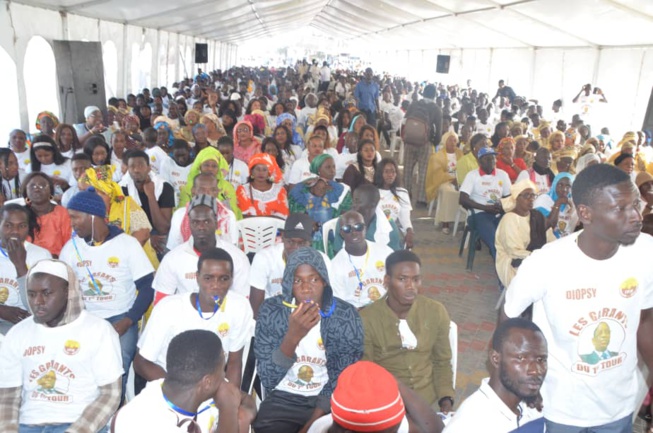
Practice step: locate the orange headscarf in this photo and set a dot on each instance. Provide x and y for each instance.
(266, 160)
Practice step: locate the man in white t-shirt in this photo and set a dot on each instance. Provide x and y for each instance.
(213, 308)
(61, 368)
(194, 392)
(360, 264)
(505, 402)
(16, 257)
(481, 193)
(175, 170)
(268, 265)
(177, 272)
(112, 268)
(204, 183)
(600, 279)
(238, 171)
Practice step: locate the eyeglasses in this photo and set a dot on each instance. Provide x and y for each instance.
(242, 130)
(359, 227)
(528, 195)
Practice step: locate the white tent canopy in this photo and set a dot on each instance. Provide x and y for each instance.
(545, 49)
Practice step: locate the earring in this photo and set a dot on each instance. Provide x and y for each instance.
(28, 201)
(51, 197)
(271, 179)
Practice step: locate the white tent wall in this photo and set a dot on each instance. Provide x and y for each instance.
(546, 74)
(20, 23)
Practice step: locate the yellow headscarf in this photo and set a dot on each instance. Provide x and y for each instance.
(510, 202)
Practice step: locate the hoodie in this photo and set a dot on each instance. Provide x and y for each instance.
(342, 332)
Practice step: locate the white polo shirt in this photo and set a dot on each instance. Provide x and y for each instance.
(177, 272)
(175, 238)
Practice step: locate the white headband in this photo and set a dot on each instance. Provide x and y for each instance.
(51, 267)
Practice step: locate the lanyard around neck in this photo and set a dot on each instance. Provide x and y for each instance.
(81, 262)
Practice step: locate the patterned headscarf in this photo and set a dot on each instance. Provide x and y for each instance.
(213, 118)
(266, 160)
(258, 123)
(101, 178)
(162, 124)
(131, 118)
(504, 142)
(43, 114)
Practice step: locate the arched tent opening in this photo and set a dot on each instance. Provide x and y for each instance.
(40, 76)
(9, 113)
(110, 60)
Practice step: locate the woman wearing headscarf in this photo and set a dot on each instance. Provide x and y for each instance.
(214, 129)
(586, 160)
(506, 159)
(521, 231)
(46, 123)
(321, 197)
(289, 121)
(122, 211)
(164, 133)
(131, 125)
(644, 182)
(441, 183)
(557, 206)
(245, 144)
(264, 194)
(210, 160)
(191, 118)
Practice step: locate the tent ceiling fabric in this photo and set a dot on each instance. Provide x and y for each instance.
(414, 24)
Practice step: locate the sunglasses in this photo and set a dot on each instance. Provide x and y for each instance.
(359, 227)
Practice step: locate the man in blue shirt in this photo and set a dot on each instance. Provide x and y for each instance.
(367, 97)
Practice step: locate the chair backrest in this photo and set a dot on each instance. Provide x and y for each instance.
(258, 233)
(327, 228)
(453, 342)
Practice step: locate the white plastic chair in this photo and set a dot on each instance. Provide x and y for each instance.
(258, 233)
(396, 141)
(462, 213)
(328, 227)
(453, 341)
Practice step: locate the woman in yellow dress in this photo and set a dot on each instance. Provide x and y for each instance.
(122, 211)
(441, 180)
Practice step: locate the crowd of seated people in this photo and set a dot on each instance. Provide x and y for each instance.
(119, 237)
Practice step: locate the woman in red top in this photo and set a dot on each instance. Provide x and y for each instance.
(506, 160)
(54, 228)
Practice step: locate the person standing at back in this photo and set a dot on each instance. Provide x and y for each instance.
(422, 131)
(366, 93)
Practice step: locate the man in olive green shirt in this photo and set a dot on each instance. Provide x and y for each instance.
(408, 334)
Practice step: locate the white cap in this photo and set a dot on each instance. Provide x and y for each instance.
(51, 267)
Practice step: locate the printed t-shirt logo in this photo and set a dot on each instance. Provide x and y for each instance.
(113, 262)
(628, 287)
(71, 347)
(4, 294)
(223, 329)
(373, 293)
(380, 265)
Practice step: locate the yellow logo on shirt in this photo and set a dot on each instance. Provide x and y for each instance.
(223, 329)
(380, 265)
(153, 158)
(113, 262)
(628, 287)
(237, 172)
(500, 183)
(56, 173)
(4, 294)
(320, 344)
(71, 347)
(27, 161)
